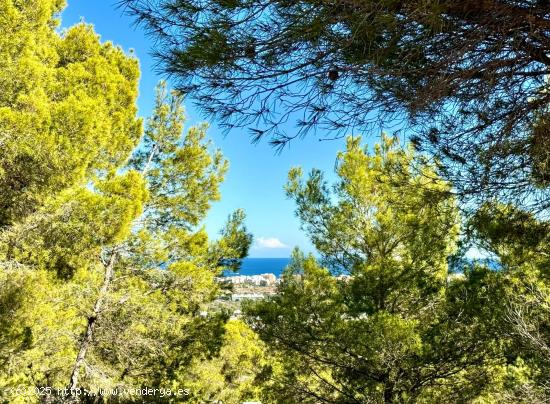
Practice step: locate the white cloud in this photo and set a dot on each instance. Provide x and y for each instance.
(269, 242)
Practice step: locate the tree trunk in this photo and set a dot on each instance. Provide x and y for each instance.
(109, 273)
(88, 336)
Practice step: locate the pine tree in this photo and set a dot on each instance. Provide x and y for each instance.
(104, 263)
(388, 322)
(67, 109)
(469, 77)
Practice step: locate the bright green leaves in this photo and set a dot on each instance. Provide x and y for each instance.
(518, 238)
(126, 195)
(230, 375)
(68, 232)
(389, 224)
(390, 220)
(80, 44)
(67, 109)
(61, 121)
(234, 242)
(45, 325)
(165, 272)
(325, 345)
(183, 175)
(102, 252)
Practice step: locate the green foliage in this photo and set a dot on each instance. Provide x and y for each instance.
(106, 269)
(517, 237)
(67, 109)
(162, 307)
(230, 376)
(183, 177)
(470, 77)
(142, 225)
(397, 326)
(233, 243)
(104, 264)
(391, 221)
(538, 152)
(68, 231)
(520, 241)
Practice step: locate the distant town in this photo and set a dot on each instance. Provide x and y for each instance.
(248, 286)
(236, 289)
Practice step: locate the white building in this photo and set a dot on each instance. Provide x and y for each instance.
(243, 296)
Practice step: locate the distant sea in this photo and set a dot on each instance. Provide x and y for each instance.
(275, 266)
(257, 266)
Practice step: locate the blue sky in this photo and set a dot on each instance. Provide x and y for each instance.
(257, 174)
